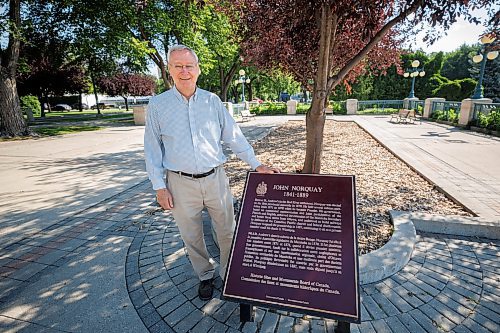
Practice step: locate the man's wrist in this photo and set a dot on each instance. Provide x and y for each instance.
(161, 191)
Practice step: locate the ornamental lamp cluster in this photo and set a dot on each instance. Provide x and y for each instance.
(414, 72)
(486, 40)
(242, 79)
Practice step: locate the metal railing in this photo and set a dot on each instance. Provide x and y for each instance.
(418, 106)
(445, 110)
(487, 116)
(378, 106)
(485, 109)
(237, 108)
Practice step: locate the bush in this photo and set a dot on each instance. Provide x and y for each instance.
(303, 108)
(490, 121)
(30, 101)
(455, 90)
(467, 86)
(270, 108)
(337, 108)
(450, 91)
(453, 116)
(439, 115)
(378, 111)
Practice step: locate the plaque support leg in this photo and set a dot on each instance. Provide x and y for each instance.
(246, 312)
(343, 327)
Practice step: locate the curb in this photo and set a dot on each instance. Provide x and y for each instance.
(394, 255)
(456, 225)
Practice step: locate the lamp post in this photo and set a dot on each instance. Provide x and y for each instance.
(243, 79)
(413, 73)
(481, 58)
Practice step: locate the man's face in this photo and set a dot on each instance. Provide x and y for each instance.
(184, 70)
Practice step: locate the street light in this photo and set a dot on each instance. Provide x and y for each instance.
(243, 79)
(413, 73)
(481, 58)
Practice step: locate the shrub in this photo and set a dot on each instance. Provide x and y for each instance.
(467, 86)
(453, 116)
(337, 108)
(378, 111)
(439, 115)
(30, 101)
(303, 108)
(490, 121)
(270, 108)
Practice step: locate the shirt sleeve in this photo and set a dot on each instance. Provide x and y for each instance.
(234, 138)
(153, 148)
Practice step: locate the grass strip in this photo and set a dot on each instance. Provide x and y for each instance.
(60, 130)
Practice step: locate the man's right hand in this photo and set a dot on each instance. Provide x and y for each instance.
(164, 198)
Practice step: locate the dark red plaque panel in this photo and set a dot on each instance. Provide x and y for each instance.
(295, 246)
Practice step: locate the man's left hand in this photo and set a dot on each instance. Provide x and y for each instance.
(265, 169)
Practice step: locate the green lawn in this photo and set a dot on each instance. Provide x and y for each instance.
(86, 112)
(82, 116)
(60, 130)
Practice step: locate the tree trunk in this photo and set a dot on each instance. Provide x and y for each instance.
(12, 122)
(80, 107)
(126, 102)
(42, 105)
(250, 91)
(46, 102)
(315, 119)
(95, 94)
(226, 80)
(164, 75)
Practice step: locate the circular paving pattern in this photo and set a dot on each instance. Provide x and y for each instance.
(450, 284)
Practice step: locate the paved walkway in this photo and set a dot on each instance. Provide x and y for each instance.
(465, 164)
(119, 266)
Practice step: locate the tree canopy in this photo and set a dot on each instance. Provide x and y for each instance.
(127, 84)
(324, 43)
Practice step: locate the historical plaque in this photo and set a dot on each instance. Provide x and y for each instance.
(295, 246)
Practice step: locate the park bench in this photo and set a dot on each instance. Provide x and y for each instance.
(403, 116)
(414, 116)
(247, 115)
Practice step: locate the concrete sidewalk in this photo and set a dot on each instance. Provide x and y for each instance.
(118, 265)
(464, 164)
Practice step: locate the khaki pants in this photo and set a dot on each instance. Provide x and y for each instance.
(190, 197)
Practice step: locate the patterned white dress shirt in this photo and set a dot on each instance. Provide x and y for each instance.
(185, 135)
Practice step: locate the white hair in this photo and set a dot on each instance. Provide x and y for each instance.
(181, 47)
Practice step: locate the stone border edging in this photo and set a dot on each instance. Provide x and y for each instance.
(394, 255)
(456, 225)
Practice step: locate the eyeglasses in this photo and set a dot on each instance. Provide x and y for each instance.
(189, 67)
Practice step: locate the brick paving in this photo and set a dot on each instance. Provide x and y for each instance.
(451, 283)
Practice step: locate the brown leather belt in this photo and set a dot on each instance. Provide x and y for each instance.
(199, 175)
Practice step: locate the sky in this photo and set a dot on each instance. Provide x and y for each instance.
(459, 33)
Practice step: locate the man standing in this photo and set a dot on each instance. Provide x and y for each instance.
(184, 129)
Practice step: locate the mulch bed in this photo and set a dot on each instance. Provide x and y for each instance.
(383, 182)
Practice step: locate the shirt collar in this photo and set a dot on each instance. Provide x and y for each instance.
(182, 98)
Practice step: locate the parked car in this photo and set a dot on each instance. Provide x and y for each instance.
(61, 107)
(76, 106)
(103, 106)
(258, 100)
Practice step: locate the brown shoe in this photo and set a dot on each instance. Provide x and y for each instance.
(206, 289)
